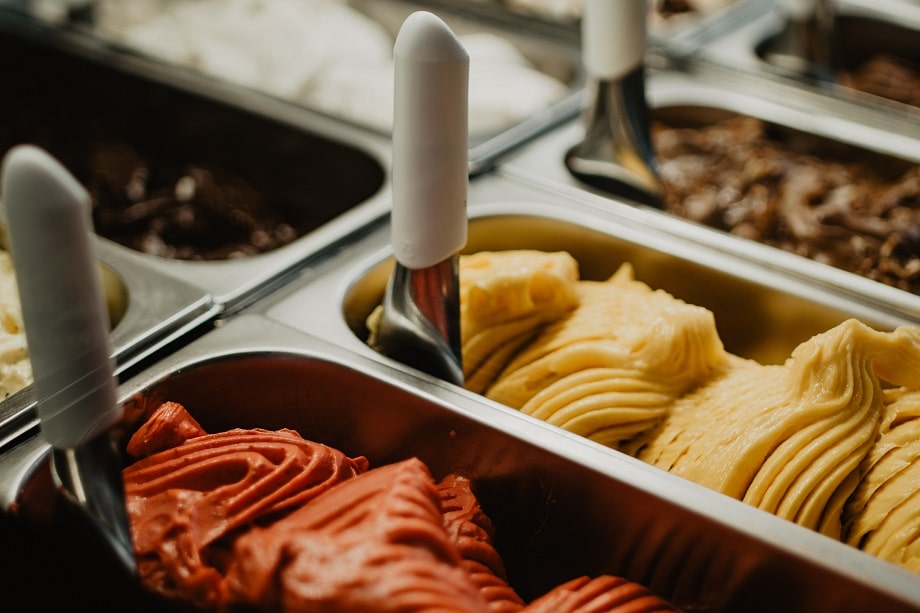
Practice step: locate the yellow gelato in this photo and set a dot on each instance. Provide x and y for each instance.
(829, 439)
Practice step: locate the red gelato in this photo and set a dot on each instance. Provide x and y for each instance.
(263, 520)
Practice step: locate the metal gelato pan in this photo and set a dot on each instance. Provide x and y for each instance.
(809, 124)
(147, 310)
(872, 54)
(222, 189)
(561, 507)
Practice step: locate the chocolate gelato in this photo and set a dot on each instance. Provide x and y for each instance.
(743, 176)
(172, 173)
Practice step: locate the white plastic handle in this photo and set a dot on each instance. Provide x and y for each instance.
(798, 9)
(430, 171)
(50, 236)
(613, 37)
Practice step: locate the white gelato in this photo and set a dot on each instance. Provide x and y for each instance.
(323, 54)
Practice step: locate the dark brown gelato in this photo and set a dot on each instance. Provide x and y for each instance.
(737, 176)
(188, 212)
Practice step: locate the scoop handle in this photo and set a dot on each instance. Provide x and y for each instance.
(614, 37)
(798, 9)
(66, 323)
(430, 142)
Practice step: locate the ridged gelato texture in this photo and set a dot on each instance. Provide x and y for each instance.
(266, 520)
(828, 439)
(15, 368)
(797, 193)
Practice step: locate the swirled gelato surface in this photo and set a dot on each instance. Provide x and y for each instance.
(266, 520)
(737, 175)
(826, 439)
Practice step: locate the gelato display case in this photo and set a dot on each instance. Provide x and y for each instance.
(561, 507)
(700, 401)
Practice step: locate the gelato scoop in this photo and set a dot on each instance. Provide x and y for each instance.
(825, 439)
(266, 520)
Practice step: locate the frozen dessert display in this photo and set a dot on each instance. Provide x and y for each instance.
(15, 368)
(824, 439)
(173, 174)
(324, 54)
(254, 519)
(789, 191)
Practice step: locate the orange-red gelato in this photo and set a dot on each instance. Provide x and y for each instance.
(262, 520)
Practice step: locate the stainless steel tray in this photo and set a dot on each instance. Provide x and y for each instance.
(562, 506)
(861, 28)
(149, 311)
(327, 176)
(706, 94)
